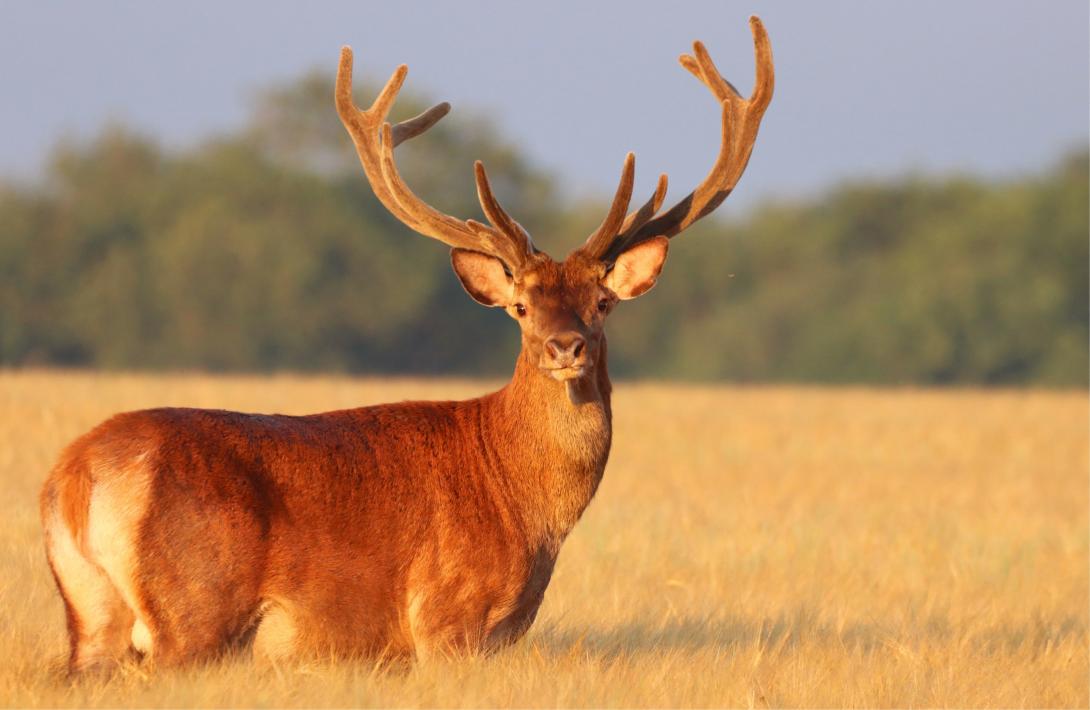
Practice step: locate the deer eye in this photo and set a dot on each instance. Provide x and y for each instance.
(520, 309)
(603, 304)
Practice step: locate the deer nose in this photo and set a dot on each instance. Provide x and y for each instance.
(565, 348)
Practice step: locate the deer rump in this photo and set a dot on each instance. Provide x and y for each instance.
(178, 531)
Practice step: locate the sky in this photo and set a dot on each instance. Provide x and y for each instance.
(864, 90)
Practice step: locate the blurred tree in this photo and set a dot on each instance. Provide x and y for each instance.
(266, 249)
(916, 281)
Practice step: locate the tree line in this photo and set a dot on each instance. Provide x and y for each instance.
(264, 249)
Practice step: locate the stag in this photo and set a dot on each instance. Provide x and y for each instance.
(397, 530)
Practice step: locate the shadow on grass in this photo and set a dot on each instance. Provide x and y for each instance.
(795, 627)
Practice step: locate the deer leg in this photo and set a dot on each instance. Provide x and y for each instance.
(99, 621)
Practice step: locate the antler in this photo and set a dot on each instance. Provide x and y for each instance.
(741, 119)
(375, 141)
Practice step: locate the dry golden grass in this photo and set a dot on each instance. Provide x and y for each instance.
(748, 547)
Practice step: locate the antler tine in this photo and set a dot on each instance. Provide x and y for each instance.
(598, 242)
(635, 220)
(495, 212)
(375, 140)
(741, 119)
(418, 124)
(649, 209)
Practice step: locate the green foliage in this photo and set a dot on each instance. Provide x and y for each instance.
(266, 250)
(913, 282)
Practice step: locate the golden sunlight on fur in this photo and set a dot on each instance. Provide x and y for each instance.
(765, 546)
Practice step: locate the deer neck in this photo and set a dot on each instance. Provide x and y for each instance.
(556, 438)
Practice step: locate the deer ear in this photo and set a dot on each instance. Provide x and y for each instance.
(636, 270)
(483, 277)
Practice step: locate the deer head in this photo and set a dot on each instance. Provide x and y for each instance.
(559, 305)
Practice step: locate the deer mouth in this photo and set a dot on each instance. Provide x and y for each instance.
(568, 372)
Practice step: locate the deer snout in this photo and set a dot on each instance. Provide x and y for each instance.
(566, 350)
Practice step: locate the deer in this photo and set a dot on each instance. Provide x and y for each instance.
(400, 530)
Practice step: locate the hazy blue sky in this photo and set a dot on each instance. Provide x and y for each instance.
(862, 88)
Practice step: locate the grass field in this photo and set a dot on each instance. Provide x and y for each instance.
(748, 547)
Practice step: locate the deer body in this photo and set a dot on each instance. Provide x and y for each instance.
(394, 530)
